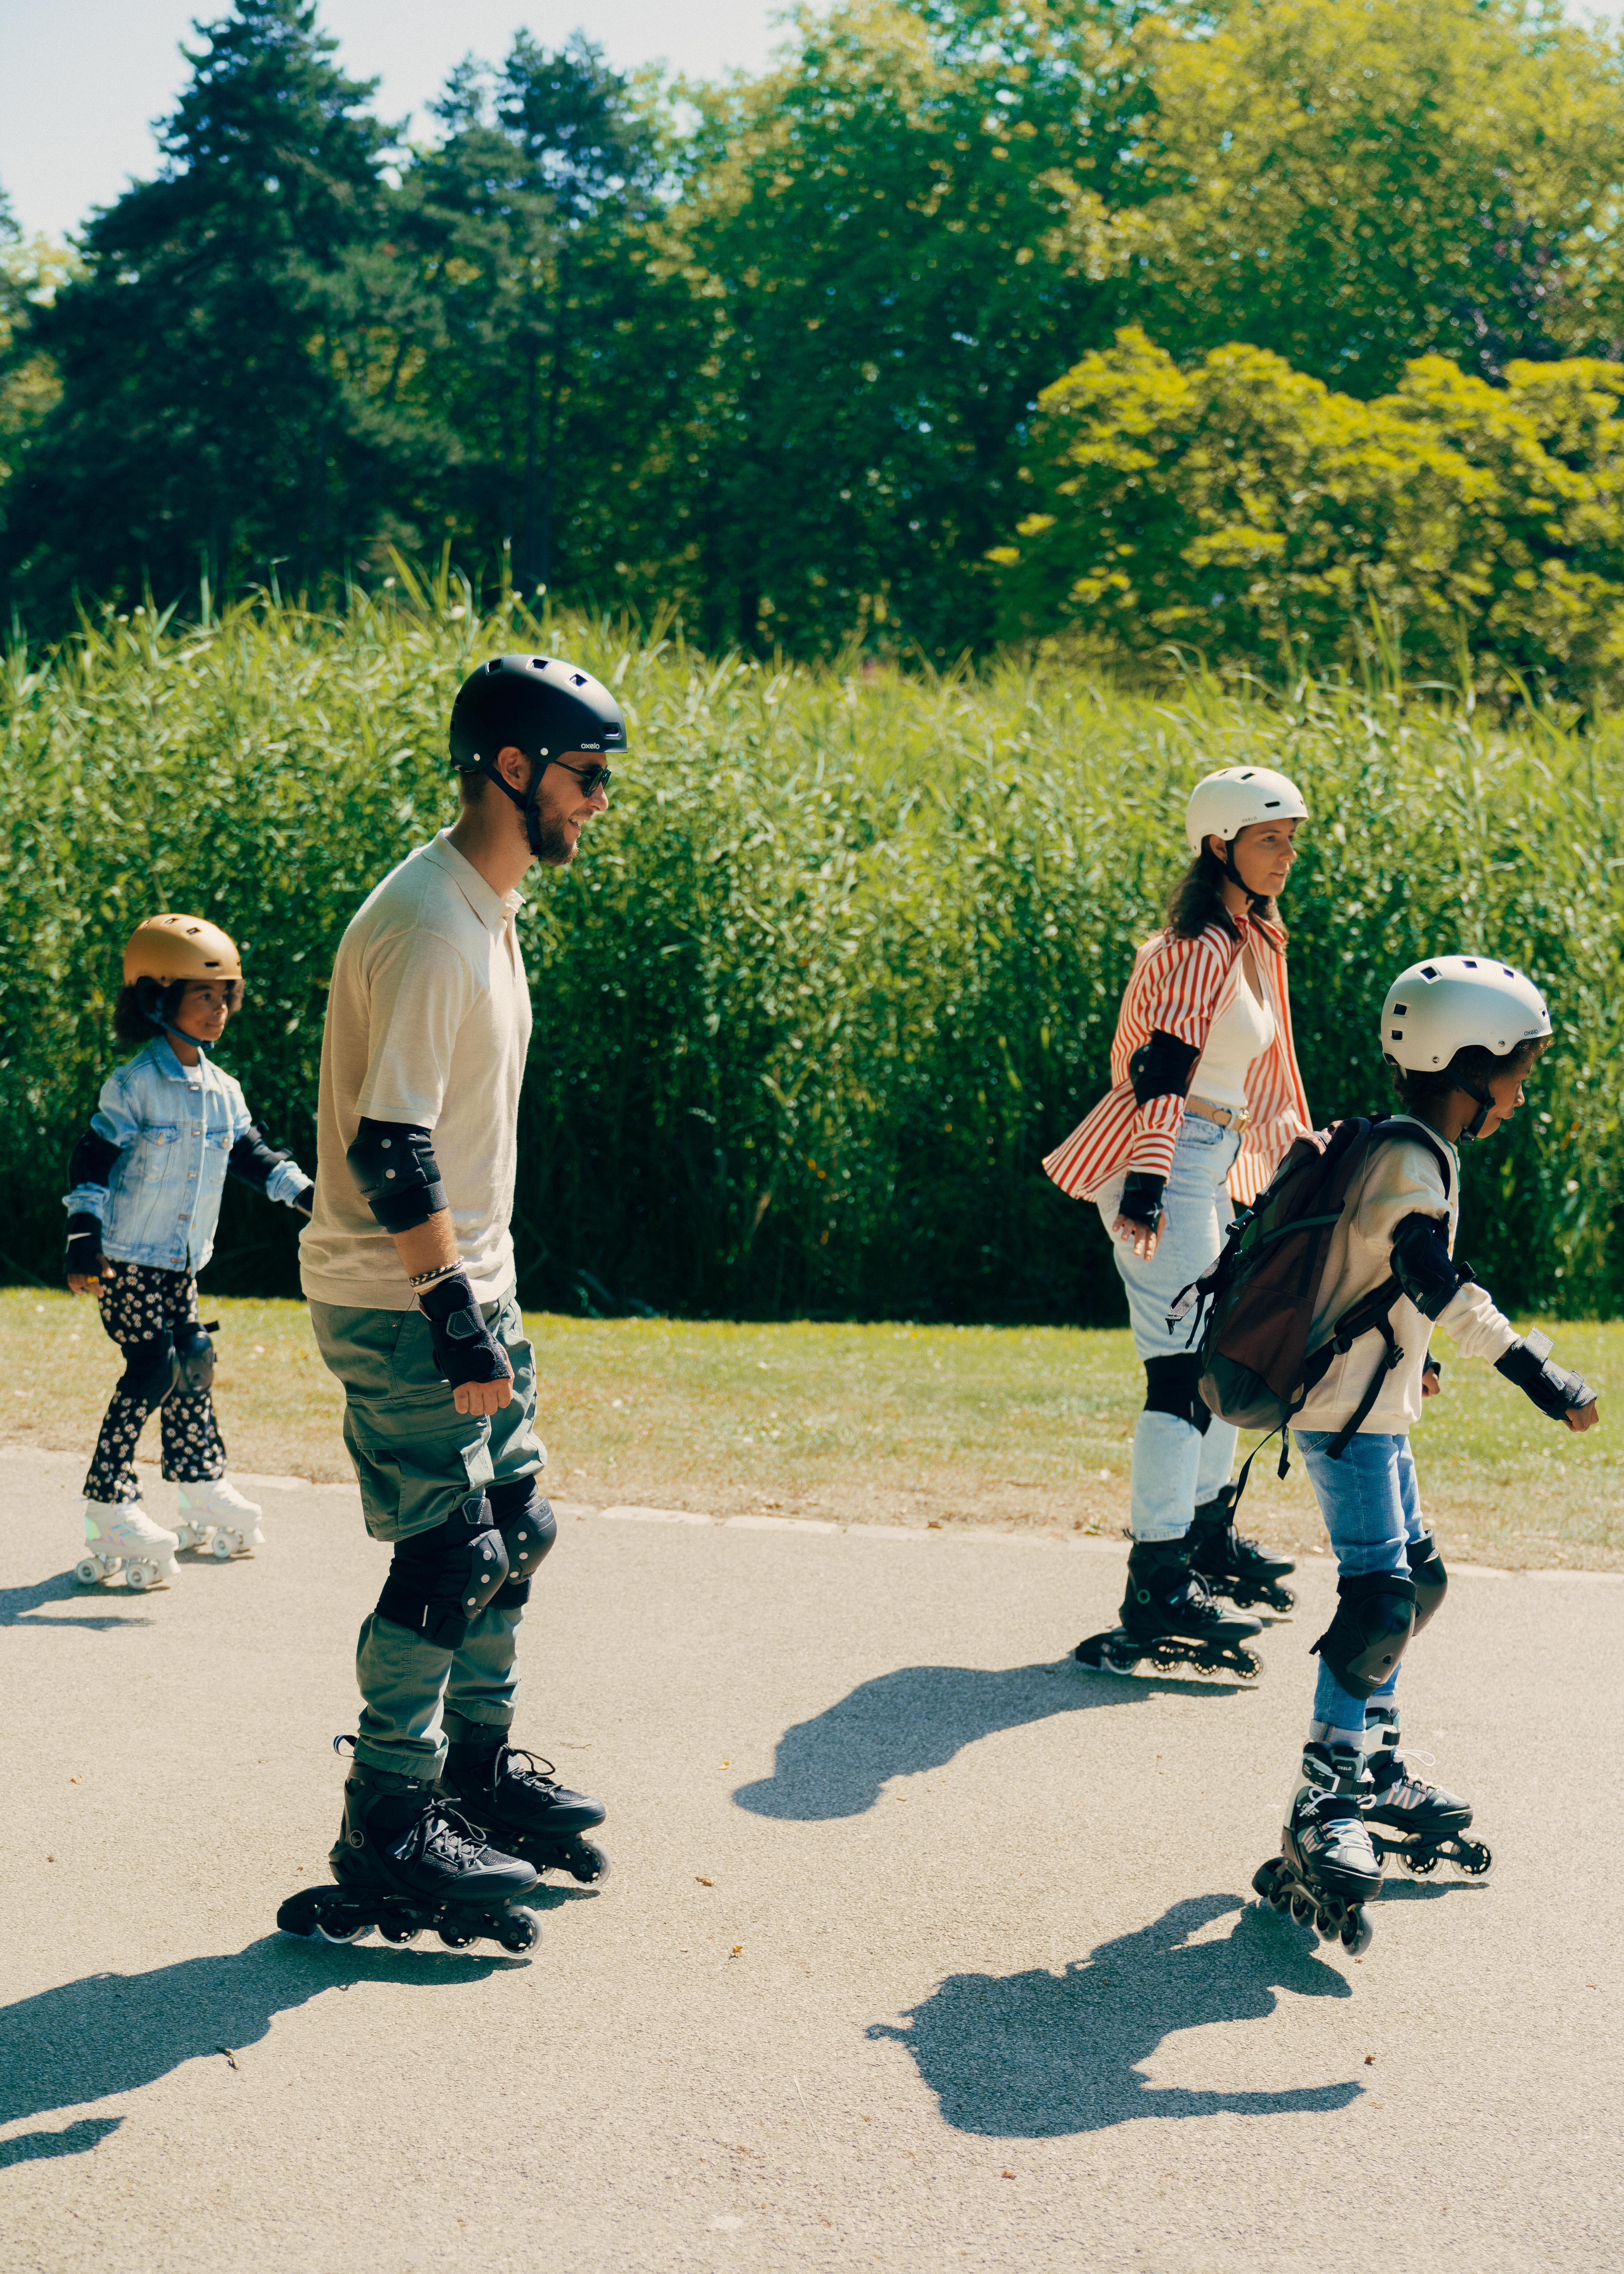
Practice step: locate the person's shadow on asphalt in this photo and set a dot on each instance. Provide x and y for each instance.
(1037, 2056)
(918, 1718)
(108, 2034)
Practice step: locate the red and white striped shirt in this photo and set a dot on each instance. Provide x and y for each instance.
(1179, 987)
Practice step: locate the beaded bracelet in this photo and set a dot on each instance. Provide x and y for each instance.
(428, 1278)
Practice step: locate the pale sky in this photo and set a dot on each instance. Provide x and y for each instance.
(81, 80)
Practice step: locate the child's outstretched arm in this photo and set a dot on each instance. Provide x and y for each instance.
(275, 1174)
(1442, 1290)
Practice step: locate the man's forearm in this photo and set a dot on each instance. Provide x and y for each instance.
(428, 1247)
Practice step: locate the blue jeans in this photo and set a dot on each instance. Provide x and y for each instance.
(1175, 1465)
(1372, 1510)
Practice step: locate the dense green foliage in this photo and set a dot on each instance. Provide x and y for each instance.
(1244, 510)
(769, 352)
(842, 962)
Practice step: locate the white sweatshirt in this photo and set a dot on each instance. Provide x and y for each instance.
(1400, 1179)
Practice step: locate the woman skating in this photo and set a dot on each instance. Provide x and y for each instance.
(1205, 1097)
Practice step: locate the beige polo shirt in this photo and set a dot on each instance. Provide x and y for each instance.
(428, 1021)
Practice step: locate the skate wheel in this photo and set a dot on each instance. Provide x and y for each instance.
(340, 1934)
(585, 1861)
(223, 1546)
(454, 1937)
(89, 1573)
(1475, 1860)
(1357, 1934)
(1281, 1600)
(297, 1915)
(1418, 1861)
(519, 1930)
(1249, 1665)
(1301, 1909)
(139, 1576)
(399, 1931)
(1263, 1882)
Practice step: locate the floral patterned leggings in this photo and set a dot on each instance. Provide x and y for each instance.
(141, 1305)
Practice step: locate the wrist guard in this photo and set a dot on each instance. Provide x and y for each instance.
(465, 1350)
(84, 1246)
(1553, 1390)
(1141, 1197)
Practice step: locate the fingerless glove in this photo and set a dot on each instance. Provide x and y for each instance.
(1141, 1197)
(465, 1350)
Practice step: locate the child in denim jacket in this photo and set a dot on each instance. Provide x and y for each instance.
(148, 1177)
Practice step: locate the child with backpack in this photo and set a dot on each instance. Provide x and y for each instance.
(1320, 1311)
(147, 1179)
(1207, 1097)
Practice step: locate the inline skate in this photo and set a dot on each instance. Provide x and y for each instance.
(514, 1799)
(1233, 1565)
(1327, 1870)
(1170, 1622)
(120, 1536)
(1418, 1822)
(404, 1861)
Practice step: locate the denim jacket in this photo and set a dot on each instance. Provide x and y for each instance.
(175, 1127)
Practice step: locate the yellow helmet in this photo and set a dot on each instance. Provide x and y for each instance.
(168, 948)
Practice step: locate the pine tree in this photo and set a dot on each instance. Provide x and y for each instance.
(224, 403)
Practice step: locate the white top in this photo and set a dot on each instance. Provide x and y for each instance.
(428, 1022)
(1235, 1040)
(1399, 1179)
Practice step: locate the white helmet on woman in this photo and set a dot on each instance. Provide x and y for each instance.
(1231, 800)
(1453, 1003)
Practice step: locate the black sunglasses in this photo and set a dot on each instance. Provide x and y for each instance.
(591, 779)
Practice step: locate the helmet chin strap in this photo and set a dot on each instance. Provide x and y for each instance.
(1485, 1103)
(524, 800)
(1259, 900)
(180, 1034)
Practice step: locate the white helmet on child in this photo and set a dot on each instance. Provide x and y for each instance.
(1453, 1003)
(1224, 803)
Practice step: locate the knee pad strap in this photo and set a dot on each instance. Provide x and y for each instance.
(1375, 1617)
(150, 1371)
(1172, 1386)
(440, 1580)
(1426, 1568)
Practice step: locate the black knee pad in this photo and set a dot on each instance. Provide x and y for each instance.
(440, 1579)
(1171, 1386)
(1375, 1617)
(1426, 1568)
(150, 1371)
(529, 1528)
(194, 1356)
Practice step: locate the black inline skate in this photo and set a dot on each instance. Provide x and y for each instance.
(1233, 1565)
(1418, 1822)
(1327, 1870)
(515, 1800)
(404, 1861)
(1170, 1622)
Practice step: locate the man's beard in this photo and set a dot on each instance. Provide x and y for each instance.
(556, 848)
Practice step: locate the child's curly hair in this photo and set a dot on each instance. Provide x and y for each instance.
(1419, 1086)
(140, 1007)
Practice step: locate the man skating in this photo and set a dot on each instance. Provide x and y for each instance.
(408, 1266)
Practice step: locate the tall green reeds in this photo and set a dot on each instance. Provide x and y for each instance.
(841, 963)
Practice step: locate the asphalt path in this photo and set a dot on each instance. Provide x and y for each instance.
(922, 1949)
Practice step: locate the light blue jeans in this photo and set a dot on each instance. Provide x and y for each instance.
(1175, 1465)
(1372, 1510)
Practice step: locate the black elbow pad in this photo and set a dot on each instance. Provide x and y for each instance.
(91, 1159)
(1424, 1267)
(396, 1174)
(1161, 1067)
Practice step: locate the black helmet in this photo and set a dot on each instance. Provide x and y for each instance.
(536, 704)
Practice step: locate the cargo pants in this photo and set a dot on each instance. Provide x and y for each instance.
(418, 1460)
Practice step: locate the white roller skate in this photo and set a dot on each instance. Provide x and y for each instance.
(120, 1536)
(215, 1505)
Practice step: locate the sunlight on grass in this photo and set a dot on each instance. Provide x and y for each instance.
(1028, 1427)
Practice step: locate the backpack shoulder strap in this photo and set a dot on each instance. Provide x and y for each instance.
(1384, 1126)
